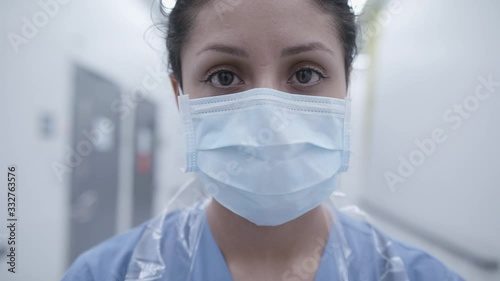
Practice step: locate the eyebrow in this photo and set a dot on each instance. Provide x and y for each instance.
(287, 52)
(292, 51)
(226, 49)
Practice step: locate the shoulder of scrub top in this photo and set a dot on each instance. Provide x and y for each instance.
(419, 265)
(109, 260)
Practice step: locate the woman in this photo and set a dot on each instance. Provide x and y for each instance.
(261, 87)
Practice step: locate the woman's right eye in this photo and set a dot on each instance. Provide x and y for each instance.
(223, 78)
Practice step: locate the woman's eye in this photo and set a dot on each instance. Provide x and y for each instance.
(306, 76)
(223, 79)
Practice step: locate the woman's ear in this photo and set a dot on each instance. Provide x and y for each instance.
(175, 86)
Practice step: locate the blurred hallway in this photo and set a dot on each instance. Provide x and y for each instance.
(89, 117)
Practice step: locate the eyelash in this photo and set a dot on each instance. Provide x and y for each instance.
(214, 72)
(318, 71)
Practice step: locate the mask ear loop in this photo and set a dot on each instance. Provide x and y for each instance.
(347, 133)
(179, 89)
(187, 125)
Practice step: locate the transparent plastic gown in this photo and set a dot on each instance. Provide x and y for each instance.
(150, 261)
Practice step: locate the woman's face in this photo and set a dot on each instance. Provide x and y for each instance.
(289, 46)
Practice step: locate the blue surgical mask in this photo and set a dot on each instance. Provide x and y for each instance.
(268, 156)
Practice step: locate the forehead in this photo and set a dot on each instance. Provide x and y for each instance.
(262, 24)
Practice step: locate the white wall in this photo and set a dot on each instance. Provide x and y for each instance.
(106, 36)
(427, 56)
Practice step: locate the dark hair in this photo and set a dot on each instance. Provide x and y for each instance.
(182, 16)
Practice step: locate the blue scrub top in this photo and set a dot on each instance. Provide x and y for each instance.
(109, 260)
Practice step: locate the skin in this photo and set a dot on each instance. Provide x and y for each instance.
(264, 44)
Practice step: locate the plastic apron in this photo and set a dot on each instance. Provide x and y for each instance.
(149, 263)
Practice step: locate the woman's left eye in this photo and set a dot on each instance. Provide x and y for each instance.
(306, 76)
